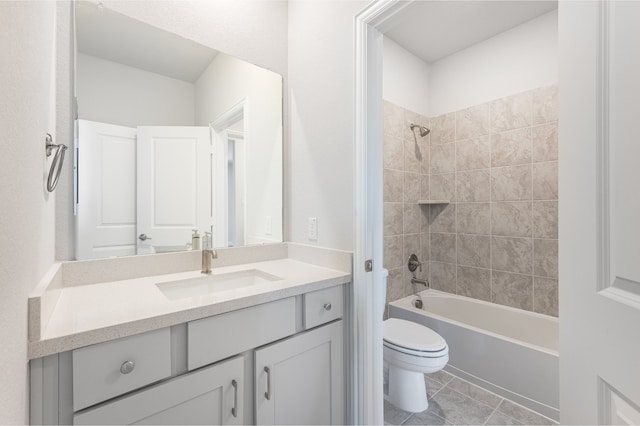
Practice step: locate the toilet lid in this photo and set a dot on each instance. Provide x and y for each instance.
(412, 335)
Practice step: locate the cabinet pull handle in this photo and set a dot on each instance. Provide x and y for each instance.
(327, 307)
(127, 367)
(234, 410)
(267, 394)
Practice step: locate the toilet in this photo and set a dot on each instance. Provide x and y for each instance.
(409, 351)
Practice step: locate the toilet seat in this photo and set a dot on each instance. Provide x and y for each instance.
(413, 339)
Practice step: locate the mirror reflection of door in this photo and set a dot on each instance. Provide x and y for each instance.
(236, 190)
(229, 176)
(143, 189)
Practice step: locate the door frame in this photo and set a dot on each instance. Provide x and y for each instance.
(366, 362)
(219, 130)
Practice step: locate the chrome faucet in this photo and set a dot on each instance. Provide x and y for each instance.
(207, 253)
(413, 264)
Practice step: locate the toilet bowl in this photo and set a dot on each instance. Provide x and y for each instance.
(409, 351)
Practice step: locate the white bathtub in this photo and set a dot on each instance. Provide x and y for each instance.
(511, 352)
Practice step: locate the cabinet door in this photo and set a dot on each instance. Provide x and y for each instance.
(300, 380)
(209, 396)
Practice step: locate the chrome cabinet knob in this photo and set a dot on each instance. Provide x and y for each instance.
(127, 367)
(143, 237)
(327, 306)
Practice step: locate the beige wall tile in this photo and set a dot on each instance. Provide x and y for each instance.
(545, 291)
(544, 142)
(443, 129)
(393, 155)
(424, 218)
(412, 245)
(545, 258)
(473, 186)
(414, 154)
(425, 244)
(424, 149)
(442, 217)
(514, 290)
(443, 247)
(443, 187)
(511, 148)
(512, 112)
(396, 288)
(511, 183)
(393, 185)
(443, 158)
(511, 218)
(393, 214)
(393, 119)
(472, 154)
(472, 122)
(393, 247)
(512, 254)
(412, 218)
(545, 181)
(473, 218)
(545, 219)
(474, 282)
(545, 104)
(411, 187)
(424, 187)
(474, 250)
(443, 276)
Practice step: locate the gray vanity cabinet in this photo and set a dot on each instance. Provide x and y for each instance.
(280, 362)
(208, 396)
(300, 380)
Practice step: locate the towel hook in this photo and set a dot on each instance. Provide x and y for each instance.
(56, 164)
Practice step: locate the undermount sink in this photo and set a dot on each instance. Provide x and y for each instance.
(201, 286)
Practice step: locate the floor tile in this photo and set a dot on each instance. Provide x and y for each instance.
(523, 415)
(425, 418)
(393, 415)
(458, 408)
(433, 386)
(498, 418)
(475, 392)
(441, 376)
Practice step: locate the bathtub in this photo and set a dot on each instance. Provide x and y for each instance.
(511, 352)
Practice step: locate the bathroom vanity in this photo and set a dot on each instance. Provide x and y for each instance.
(260, 341)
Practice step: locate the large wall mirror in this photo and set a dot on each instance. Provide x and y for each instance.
(172, 137)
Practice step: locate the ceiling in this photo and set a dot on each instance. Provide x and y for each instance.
(118, 38)
(432, 30)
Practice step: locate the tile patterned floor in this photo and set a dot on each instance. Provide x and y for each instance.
(458, 402)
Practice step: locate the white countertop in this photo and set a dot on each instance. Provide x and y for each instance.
(93, 313)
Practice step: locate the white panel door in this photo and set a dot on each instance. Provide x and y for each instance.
(174, 183)
(300, 380)
(599, 178)
(106, 218)
(209, 396)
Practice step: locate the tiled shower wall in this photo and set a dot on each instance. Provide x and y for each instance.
(497, 165)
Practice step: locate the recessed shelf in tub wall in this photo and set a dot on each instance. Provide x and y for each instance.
(429, 202)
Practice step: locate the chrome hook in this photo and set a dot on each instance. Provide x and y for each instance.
(56, 164)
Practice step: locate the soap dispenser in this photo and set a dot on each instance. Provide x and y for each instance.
(195, 240)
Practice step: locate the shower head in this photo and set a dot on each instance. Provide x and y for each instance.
(423, 130)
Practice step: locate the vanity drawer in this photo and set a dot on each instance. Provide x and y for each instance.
(323, 306)
(221, 336)
(112, 368)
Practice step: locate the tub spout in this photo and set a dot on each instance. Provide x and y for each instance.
(425, 283)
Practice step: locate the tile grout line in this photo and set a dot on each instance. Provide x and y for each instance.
(533, 248)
